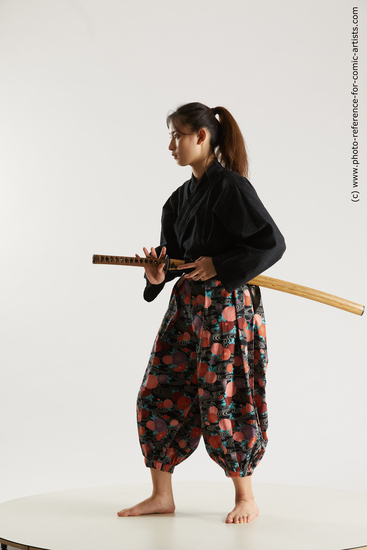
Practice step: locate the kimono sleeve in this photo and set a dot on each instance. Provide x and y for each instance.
(169, 240)
(255, 241)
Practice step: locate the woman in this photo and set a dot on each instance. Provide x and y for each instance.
(206, 373)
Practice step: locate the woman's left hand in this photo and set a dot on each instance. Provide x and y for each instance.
(203, 269)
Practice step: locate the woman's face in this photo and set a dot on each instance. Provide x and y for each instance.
(186, 146)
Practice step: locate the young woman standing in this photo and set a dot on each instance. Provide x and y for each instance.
(206, 373)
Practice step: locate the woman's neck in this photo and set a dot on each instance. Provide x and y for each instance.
(198, 169)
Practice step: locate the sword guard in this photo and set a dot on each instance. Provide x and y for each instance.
(166, 263)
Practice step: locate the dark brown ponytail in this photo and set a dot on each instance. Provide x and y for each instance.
(226, 141)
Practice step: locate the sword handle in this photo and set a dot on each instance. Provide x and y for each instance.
(170, 265)
(126, 260)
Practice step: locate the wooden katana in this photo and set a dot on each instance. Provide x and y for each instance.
(260, 280)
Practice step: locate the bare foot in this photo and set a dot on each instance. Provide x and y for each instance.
(243, 512)
(153, 505)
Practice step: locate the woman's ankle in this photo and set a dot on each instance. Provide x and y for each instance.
(162, 484)
(243, 488)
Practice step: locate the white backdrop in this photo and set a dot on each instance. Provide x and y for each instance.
(86, 87)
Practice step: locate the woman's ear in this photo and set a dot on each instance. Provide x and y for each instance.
(202, 134)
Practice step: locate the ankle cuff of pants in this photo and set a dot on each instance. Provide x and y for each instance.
(238, 473)
(157, 465)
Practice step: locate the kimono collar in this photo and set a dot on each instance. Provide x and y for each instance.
(213, 169)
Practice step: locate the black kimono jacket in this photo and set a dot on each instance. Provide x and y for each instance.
(219, 216)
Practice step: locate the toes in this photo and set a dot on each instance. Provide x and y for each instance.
(124, 512)
(229, 518)
(239, 519)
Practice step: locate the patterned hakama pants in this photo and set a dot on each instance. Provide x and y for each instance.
(206, 377)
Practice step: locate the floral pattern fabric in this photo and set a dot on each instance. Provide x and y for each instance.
(206, 377)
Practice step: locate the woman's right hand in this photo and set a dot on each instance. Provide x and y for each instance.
(155, 274)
